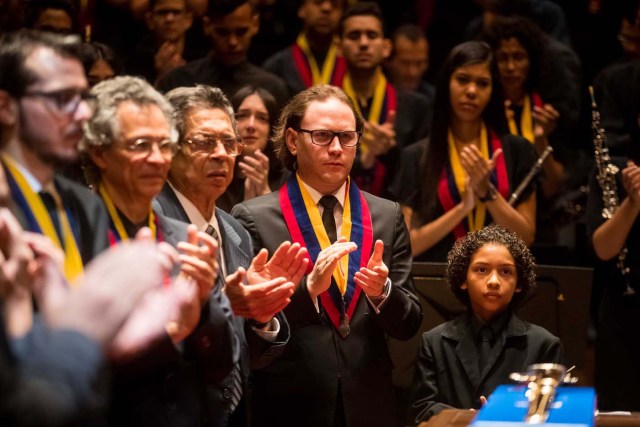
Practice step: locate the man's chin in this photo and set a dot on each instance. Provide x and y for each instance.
(60, 160)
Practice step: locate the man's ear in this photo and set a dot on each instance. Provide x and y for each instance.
(148, 19)
(8, 109)
(386, 48)
(255, 24)
(97, 156)
(206, 26)
(291, 139)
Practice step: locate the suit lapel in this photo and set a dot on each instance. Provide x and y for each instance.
(465, 349)
(234, 256)
(170, 205)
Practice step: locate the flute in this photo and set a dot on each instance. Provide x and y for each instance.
(532, 173)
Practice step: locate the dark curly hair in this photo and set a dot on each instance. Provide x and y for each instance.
(459, 259)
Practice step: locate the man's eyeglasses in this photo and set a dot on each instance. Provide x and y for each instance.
(347, 138)
(144, 146)
(66, 101)
(209, 143)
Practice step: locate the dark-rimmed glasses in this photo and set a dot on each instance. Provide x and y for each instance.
(66, 101)
(144, 146)
(209, 143)
(322, 137)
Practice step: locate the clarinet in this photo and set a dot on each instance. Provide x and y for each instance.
(606, 178)
(532, 173)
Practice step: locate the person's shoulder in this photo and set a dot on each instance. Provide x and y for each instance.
(80, 191)
(380, 204)
(452, 329)
(258, 203)
(412, 98)
(187, 74)
(261, 75)
(535, 332)
(278, 60)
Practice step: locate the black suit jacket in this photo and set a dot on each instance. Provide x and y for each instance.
(255, 351)
(301, 387)
(89, 217)
(168, 384)
(447, 374)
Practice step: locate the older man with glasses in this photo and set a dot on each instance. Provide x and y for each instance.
(258, 290)
(44, 101)
(128, 148)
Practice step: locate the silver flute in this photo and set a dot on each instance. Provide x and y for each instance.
(532, 173)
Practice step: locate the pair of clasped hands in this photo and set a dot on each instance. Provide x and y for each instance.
(371, 278)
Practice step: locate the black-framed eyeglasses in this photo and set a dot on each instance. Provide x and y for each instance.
(209, 143)
(66, 101)
(144, 146)
(347, 138)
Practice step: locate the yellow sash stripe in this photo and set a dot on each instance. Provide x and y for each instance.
(526, 122)
(72, 259)
(476, 217)
(117, 221)
(340, 273)
(379, 92)
(327, 67)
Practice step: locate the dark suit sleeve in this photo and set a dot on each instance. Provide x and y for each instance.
(56, 378)
(401, 314)
(262, 352)
(425, 393)
(214, 344)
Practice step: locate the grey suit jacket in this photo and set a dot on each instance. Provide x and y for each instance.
(255, 351)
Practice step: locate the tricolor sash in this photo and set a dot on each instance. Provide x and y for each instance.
(526, 120)
(452, 187)
(304, 223)
(333, 68)
(117, 232)
(39, 220)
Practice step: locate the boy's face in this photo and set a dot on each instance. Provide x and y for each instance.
(491, 280)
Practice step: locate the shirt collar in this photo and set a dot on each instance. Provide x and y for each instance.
(339, 194)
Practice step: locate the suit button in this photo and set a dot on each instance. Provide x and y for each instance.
(226, 393)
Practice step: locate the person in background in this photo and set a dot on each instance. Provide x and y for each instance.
(258, 170)
(470, 165)
(394, 118)
(409, 60)
(100, 62)
(462, 361)
(314, 58)
(230, 25)
(56, 16)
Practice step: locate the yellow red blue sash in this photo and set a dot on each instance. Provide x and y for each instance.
(117, 232)
(304, 223)
(39, 220)
(526, 121)
(333, 68)
(451, 187)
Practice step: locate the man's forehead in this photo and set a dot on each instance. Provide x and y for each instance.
(207, 117)
(170, 4)
(241, 17)
(328, 110)
(54, 71)
(362, 23)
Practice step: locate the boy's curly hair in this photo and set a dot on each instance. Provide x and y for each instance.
(459, 259)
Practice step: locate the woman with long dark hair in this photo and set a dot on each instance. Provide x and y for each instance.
(520, 54)
(258, 171)
(469, 167)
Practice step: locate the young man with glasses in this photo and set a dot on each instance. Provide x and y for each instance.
(336, 368)
(201, 171)
(44, 102)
